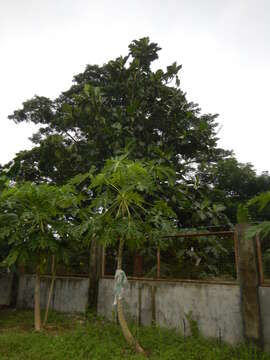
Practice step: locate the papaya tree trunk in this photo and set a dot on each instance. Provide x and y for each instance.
(50, 291)
(95, 261)
(37, 300)
(121, 316)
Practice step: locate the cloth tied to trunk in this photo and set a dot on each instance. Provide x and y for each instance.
(120, 283)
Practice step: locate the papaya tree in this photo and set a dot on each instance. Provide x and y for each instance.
(36, 228)
(127, 211)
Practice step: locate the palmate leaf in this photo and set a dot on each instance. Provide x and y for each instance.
(37, 219)
(5, 232)
(131, 198)
(78, 179)
(126, 204)
(261, 200)
(8, 222)
(262, 229)
(165, 173)
(11, 258)
(8, 219)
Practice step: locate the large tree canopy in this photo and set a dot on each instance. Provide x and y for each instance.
(126, 104)
(122, 103)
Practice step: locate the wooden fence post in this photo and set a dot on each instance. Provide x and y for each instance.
(249, 286)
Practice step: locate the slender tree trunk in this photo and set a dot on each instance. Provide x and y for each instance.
(37, 300)
(50, 291)
(95, 262)
(121, 317)
(120, 254)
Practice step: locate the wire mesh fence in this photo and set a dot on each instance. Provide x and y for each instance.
(137, 263)
(199, 257)
(203, 256)
(77, 265)
(189, 256)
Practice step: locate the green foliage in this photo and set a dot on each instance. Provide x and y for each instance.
(242, 214)
(193, 325)
(125, 203)
(263, 229)
(75, 337)
(260, 203)
(4, 181)
(123, 104)
(129, 200)
(35, 222)
(203, 257)
(232, 183)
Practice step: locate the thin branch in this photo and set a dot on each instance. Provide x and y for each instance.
(71, 137)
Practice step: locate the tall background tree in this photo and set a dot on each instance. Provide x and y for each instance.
(126, 105)
(123, 103)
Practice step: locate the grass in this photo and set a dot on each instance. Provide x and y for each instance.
(76, 337)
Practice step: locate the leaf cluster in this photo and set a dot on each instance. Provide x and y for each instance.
(35, 221)
(126, 203)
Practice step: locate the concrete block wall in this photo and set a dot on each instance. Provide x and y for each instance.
(6, 281)
(215, 307)
(264, 295)
(70, 293)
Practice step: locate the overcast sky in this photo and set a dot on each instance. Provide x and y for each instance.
(224, 47)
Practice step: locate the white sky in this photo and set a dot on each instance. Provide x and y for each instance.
(224, 47)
